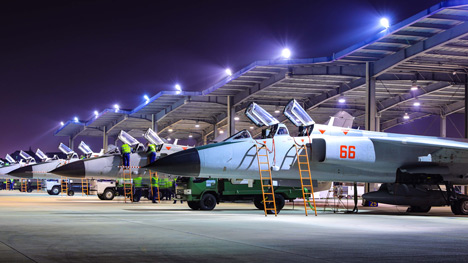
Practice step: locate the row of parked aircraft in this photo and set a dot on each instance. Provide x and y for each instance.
(411, 169)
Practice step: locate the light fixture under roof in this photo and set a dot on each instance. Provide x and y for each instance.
(414, 86)
(96, 113)
(171, 130)
(417, 103)
(76, 119)
(286, 53)
(406, 116)
(221, 131)
(197, 125)
(277, 110)
(236, 118)
(342, 99)
(169, 139)
(384, 22)
(190, 136)
(61, 123)
(228, 72)
(116, 107)
(251, 127)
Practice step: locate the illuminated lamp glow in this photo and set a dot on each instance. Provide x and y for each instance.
(169, 139)
(286, 53)
(406, 116)
(417, 103)
(221, 131)
(76, 119)
(228, 72)
(146, 98)
(342, 99)
(61, 123)
(116, 107)
(190, 136)
(236, 118)
(251, 127)
(96, 113)
(385, 23)
(171, 130)
(178, 88)
(197, 125)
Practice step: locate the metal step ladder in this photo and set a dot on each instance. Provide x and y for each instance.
(154, 175)
(268, 191)
(84, 187)
(24, 185)
(305, 177)
(127, 183)
(39, 184)
(64, 185)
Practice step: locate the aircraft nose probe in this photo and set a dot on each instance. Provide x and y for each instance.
(184, 163)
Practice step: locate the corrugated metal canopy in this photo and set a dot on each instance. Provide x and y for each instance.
(428, 50)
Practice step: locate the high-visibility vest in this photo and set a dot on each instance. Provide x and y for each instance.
(126, 148)
(163, 183)
(169, 183)
(151, 148)
(137, 181)
(154, 182)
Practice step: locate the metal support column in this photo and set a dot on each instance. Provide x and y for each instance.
(215, 131)
(154, 123)
(371, 110)
(466, 116)
(377, 122)
(231, 112)
(70, 142)
(105, 141)
(443, 126)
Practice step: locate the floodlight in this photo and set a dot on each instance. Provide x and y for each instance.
(342, 99)
(76, 119)
(251, 127)
(96, 113)
(146, 98)
(236, 118)
(61, 123)
(286, 53)
(170, 130)
(178, 88)
(414, 86)
(228, 72)
(197, 125)
(277, 109)
(406, 117)
(116, 107)
(190, 136)
(417, 103)
(221, 131)
(385, 23)
(169, 139)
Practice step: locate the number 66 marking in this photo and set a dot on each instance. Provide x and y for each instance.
(347, 152)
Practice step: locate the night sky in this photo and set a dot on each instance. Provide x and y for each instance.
(68, 58)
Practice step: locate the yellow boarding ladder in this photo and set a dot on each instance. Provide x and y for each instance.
(127, 183)
(64, 185)
(84, 186)
(155, 175)
(305, 177)
(39, 184)
(267, 189)
(24, 185)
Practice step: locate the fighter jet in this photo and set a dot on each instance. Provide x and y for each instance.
(46, 165)
(109, 165)
(410, 168)
(11, 165)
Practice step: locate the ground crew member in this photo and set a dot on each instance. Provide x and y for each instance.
(151, 152)
(175, 192)
(137, 183)
(154, 187)
(169, 189)
(163, 187)
(126, 150)
(12, 183)
(5, 183)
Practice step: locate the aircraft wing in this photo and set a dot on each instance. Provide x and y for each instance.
(445, 151)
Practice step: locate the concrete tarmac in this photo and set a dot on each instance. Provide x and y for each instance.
(36, 227)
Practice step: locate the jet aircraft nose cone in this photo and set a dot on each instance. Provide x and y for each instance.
(183, 163)
(74, 169)
(23, 170)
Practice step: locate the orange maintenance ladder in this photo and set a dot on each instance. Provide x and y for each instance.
(305, 177)
(84, 187)
(127, 183)
(64, 185)
(24, 185)
(268, 191)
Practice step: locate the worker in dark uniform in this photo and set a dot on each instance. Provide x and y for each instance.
(126, 150)
(12, 183)
(151, 152)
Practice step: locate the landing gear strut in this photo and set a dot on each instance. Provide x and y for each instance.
(458, 203)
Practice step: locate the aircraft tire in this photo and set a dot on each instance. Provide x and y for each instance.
(194, 205)
(419, 209)
(100, 197)
(207, 202)
(136, 198)
(279, 200)
(108, 194)
(29, 190)
(460, 207)
(258, 202)
(55, 190)
(71, 193)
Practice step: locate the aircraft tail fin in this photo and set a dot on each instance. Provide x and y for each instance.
(176, 141)
(341, 119)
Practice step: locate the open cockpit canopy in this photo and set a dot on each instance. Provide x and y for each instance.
(153, 137)
(10, 159)
(297, 115)
(85, 148)
(259, 116)
(41, 155)
(127, 138)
